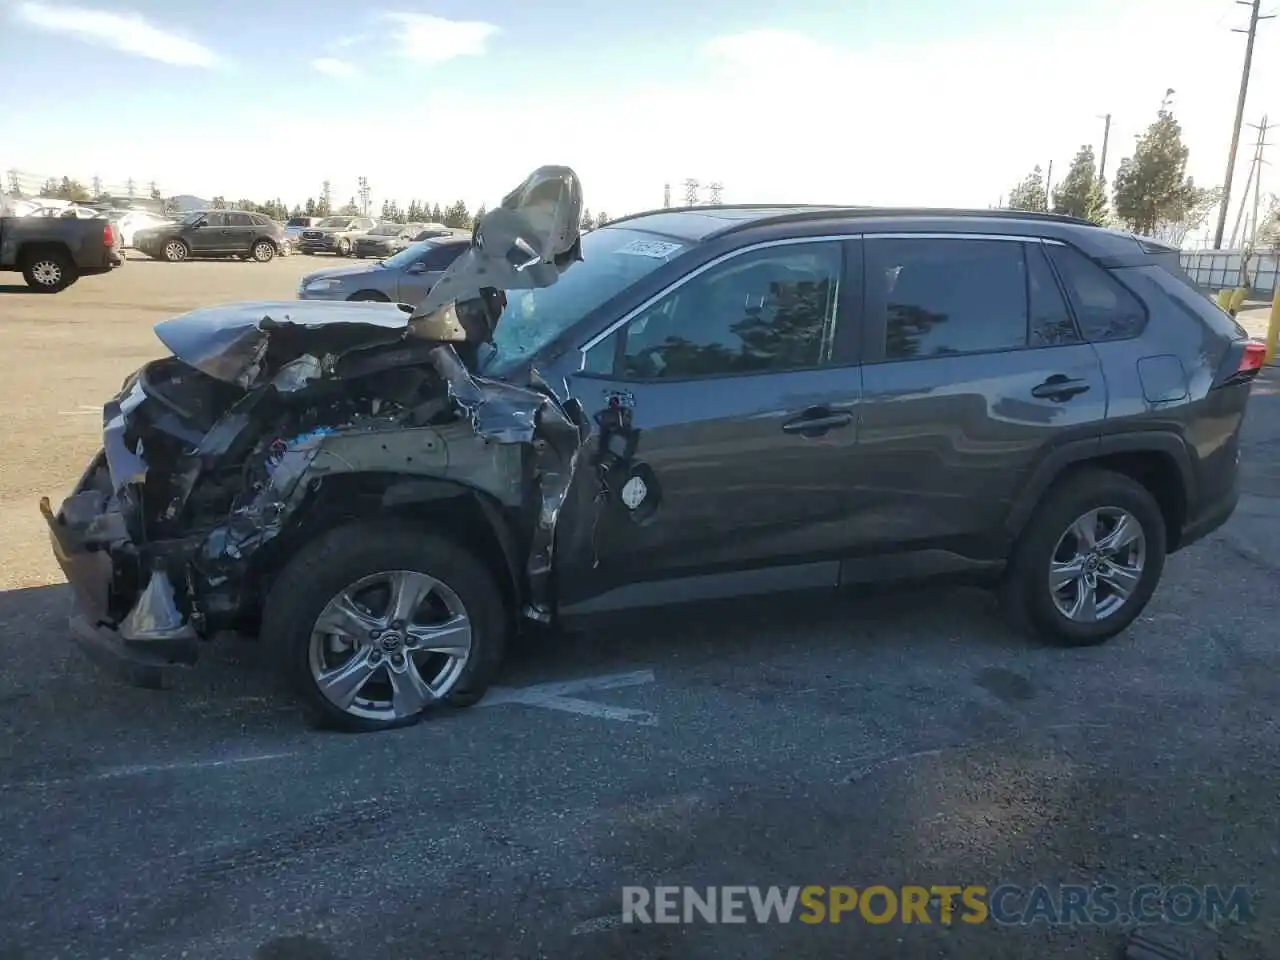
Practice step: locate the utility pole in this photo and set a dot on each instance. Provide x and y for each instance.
(97, 187)
(1260, 162)
(326, 198)
(1255, 171)
(1106, 138)
(364, 196)
(666, 195)
(1254, 17)
(129, 188)
(1048, 185)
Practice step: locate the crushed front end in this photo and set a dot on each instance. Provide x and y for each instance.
(272, 421)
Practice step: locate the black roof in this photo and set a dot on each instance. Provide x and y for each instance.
(701, 223)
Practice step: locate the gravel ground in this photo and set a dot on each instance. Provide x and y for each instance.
(900, 737)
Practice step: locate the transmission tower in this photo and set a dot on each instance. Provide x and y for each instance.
(666, 195)
(151, 189)
(14, 186)
(691, 192)
(129, 188)
(326, 197)
(364, 195)
(716, 189)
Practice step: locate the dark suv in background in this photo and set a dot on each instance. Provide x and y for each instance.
(213, 233)
(710, 402)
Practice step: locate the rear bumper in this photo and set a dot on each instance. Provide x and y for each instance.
(1208, 519)
(115, 258)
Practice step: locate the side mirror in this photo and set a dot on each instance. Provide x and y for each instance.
(417, 267)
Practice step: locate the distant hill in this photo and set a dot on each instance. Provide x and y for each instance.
(185, 203)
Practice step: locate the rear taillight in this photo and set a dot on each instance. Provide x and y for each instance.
(1255, 355)
(108, 235)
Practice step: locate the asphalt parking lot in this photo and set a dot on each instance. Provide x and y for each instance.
(899, 738)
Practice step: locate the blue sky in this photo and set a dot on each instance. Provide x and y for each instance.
(926, 102)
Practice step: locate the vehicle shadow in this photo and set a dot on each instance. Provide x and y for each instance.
(15, 288)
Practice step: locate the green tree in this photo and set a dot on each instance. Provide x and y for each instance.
(1029, 194)
(601, 218)
(309, 207)
(480, 212)
(155, 192)
(587, 222)
(49, 188)
(73, 190)
(457, 216)
(218, 203)
(386, 210)
(437, 216)
(1152, 186)
(323, 208)
(1081, 194)
(1201, 202)
(248, 206)
(351, 209)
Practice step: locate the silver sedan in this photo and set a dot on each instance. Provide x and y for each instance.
(404, 278)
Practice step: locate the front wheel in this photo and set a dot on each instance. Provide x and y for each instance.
(175, 251)
(49, 271)
(264, 251)
(344, 247)
(1089, 560)
(374, 624)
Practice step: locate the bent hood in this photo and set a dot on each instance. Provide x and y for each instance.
(528, 241)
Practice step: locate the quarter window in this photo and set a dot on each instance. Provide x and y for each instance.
(239, 220)
(943, 297)
(767, 310)
(1104, 308)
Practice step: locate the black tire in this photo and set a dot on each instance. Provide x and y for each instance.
(264, 251)
(1025, 594)
(341, 557)
(175, 251)
(49, 271)
(343, 246)
(308, 253)
(369, 296)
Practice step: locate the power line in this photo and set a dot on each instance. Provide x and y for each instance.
(1254, 18)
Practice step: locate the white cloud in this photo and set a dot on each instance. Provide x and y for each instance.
(334, 67)
(126, 32)
(429, 39)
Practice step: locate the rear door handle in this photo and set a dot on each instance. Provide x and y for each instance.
(816, 421)
(1059, 387)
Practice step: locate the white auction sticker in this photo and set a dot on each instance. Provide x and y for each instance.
(657, 249)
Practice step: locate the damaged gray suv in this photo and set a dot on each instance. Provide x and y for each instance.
(681, 405)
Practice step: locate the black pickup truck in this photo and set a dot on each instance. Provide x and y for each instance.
(55, 252)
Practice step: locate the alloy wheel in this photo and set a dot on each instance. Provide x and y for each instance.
(389, 645)
(262, 252)
(175, 250)
(1097, 564)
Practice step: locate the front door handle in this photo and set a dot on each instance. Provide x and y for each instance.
(816, 421)
(1060, 388)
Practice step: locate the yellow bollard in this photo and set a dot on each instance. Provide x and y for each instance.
(1273, 328)
(1237, 300)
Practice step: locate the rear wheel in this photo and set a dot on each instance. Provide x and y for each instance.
(1089, 560)
(344, 247)
(48, 271)
(175, 251)
(375, 624)
(371, 296)
(264, 251)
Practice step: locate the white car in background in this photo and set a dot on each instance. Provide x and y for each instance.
(131, 221)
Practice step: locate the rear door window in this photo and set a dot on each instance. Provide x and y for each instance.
(441, 257)
(1105, 309)
(239, 220)
(935, 297)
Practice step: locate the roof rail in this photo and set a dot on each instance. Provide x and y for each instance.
(790, 212)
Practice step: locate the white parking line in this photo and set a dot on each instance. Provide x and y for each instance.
(557, 696)
(142, 769)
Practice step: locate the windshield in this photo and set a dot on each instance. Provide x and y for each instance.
(406, 256)
(299, 222)
(385, 230)
(193, 217)
(612, 260)
(334, 222)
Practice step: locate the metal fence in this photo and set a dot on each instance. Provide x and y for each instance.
(1220, 269)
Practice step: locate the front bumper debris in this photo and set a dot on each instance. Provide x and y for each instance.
(153, 639)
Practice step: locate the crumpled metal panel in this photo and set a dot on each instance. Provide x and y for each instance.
(156, 615)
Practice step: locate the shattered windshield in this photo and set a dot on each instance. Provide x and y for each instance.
(612, 259)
